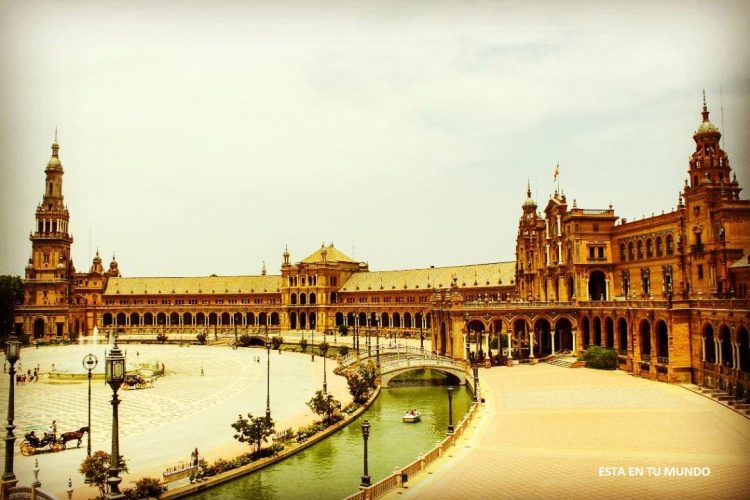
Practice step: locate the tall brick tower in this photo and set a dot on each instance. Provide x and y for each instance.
(49, 273)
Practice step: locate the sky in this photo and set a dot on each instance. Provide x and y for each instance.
(204, 137)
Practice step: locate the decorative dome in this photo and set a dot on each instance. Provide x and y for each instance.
(529, 203)
(706, 127)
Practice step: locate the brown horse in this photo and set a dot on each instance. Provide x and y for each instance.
(70, 436)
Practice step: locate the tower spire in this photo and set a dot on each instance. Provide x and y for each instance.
(705, 107)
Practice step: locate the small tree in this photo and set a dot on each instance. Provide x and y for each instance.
(358, 386)
(323, 348)
(146, 487)
(343, 330)
(303, 344)
(368, 374)
(343, 350)
(96, 469)
(325, 405)
(276, 342)
(253, 430)
(201, 338)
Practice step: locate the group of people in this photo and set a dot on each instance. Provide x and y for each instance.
(28, 377)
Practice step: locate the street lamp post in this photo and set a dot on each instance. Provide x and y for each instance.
(356, 329)
(367, 337)
(468, 345)
(450, 410)
(312, 341)
(365, 434)
(12, 354)
(115, 376)
(421, 332)
(377, 341)
(268, 379)
(325, 383)
(89, 363)
(475, 369)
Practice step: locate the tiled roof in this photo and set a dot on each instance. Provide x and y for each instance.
(743, 261)
(194, 285)
(333, 254)
(478, 275)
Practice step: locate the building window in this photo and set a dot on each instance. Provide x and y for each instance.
(649, 248)
(45, 257)
(670, 245)
(333, 280)
(659, 247)
(700, 271)
(622, 252)
(639, 246)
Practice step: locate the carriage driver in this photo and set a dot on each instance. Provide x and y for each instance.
(52, 430)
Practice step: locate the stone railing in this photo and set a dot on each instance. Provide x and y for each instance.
(387, 352)
(395, 480)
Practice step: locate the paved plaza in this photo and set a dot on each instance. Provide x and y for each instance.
(546, 431)
(160, 426)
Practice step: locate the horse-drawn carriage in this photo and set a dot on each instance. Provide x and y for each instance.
(49, 442)
(137, 381)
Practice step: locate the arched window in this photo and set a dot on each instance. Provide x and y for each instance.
(302, 302)
(645, 339)
(649, 248)
(659, 246)
(640, 249)
(670, 245)
(662, 341)
(294, 299)
(622, 252)
(312, 299)
(622, 330)
(709, 345)
(631, 254)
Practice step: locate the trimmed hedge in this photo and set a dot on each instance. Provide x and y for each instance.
(600, 358)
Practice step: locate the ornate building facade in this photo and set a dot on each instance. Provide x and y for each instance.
(668, 292)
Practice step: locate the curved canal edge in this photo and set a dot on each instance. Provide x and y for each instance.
(230, 475)
(403, 474)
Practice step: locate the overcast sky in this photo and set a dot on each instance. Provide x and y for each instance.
(202, 137)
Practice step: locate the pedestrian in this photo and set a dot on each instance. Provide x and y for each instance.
(5, 367)
(53, 367)
(201, 371)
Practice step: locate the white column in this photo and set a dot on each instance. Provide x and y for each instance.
(573, 335)
(588, 291)
(390, 321)
(546, 228)
(703, 350)
(559, 252)
(717, 350)
(552, 336)
(510, 350)
(735, 356)
(559, 226)
(606, 289)
(531, 342)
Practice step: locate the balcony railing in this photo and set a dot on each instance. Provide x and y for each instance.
(662, 360)
(646, 357)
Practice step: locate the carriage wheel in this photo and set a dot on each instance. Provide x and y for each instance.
(57, 447)
(63, 445)
(27, 449)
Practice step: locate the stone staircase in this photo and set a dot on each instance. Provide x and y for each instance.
(740, 406)
(565, 362)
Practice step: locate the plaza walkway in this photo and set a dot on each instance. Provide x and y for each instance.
(160, 426)
(546, 431)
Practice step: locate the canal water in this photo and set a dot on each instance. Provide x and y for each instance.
(332, 468)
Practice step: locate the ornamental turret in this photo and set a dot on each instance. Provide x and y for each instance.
(709, 164)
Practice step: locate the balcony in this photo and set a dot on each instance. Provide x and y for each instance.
(662, 360)
(697, 248)
(646, 358)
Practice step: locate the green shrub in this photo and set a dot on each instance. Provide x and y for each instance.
(600, 358)
(343, 350)
(303, 344)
